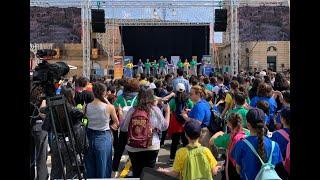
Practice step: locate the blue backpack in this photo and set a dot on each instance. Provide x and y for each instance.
(267, 170)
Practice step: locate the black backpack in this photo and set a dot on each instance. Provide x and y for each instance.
(216, 122)
(179, 109)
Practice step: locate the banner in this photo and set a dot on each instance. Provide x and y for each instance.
(118, 67)
(175, 60)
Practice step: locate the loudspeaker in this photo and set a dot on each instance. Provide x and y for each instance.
(98, 21)
(220, 20)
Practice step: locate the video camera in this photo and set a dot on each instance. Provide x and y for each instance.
(46, 75)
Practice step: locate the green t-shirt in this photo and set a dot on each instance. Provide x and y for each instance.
(172, 104)
(243, 113)
(193, 63)
(147, 65)
(223, 140)
(120, 100)
(180, 64)
(155, 65)
(162, 63)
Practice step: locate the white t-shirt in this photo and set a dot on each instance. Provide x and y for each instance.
(152, 86)
(217, 88)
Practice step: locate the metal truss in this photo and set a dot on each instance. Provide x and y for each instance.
(87, 5)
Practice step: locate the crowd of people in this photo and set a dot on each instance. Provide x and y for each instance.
(138, 114)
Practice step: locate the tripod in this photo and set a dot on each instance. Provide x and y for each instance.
(59, 117)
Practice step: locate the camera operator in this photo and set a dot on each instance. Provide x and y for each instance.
(39, 139)
(75, 116)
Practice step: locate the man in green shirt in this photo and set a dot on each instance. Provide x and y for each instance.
(193, 67)
(162, 65)
(180, 64)
(155, 66)
(147, 65)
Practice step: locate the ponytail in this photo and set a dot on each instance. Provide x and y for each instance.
(260, 134)
(98, 90)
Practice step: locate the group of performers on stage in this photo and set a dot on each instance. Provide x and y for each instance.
(163, 67)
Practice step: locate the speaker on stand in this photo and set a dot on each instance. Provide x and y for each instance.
(98, 21)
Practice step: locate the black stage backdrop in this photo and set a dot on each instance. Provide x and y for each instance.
(155, 41)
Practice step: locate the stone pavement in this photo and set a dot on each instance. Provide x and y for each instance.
(163, 159)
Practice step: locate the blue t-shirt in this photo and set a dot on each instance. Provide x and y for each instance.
(272, 104)
(277, 137)
(183, 81)
(248, 161)
(201, 112)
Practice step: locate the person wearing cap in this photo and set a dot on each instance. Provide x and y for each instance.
(181, 79)
(247, 163)
(192, 131)
(175, 129)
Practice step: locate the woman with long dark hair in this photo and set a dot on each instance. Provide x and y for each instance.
(254, 88)
(247, 163)
(98, 159)
(145, 115)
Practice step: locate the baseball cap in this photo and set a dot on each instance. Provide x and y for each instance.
(180, 87)
(192, 129)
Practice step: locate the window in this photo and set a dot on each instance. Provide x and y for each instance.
(272, 63)
(272, 48)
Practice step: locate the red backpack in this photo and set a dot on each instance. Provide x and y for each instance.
(140, 130)
(286, 162)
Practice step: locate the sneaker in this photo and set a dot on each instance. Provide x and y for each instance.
(115, 174)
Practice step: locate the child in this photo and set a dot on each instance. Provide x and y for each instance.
(227, 141)
(247, 163)
(192, 129)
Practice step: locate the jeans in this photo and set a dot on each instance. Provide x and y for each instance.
(148, 71)
(140, 69)
(118, 150)
(98, 159)
(175, 141)
(142, 159)
(163, 71)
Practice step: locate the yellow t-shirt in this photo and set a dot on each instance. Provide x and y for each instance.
(229, 99)
(186, 64)
(182, 154)
(129, 65)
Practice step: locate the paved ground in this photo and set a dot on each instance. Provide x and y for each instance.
(163, 159)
